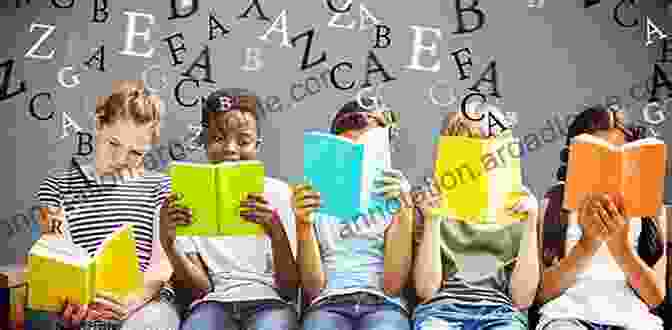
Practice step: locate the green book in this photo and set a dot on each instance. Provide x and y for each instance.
(213, 192)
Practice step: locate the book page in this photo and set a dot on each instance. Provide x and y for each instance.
(234, 184)
(117, 255)
(333, 167)
(644, 168)
(459, 173)
(196, 183)
(591, 169)
(377, 157)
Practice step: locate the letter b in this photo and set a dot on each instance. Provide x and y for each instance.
(81, 143)
(480, 17)
(380, 36)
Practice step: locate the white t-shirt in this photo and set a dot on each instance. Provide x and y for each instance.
(601, 293)
(241, 267)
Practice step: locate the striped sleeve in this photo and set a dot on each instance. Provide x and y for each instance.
(163, 191)
(50, 193)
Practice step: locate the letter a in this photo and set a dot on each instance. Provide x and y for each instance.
(649, 31)
(280, 20)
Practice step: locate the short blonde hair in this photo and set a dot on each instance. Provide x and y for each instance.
(129, 101)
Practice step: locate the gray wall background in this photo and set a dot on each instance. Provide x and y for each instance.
(550, 60)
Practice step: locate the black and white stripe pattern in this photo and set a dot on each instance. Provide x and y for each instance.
(94, 210)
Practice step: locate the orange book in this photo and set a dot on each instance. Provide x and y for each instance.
(636, 170)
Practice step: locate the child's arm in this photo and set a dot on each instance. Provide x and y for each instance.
(525, 277)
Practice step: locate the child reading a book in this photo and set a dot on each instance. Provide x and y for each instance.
(126, 127)
(353, 272)
(601, 270)
(240, 282)
(471, 275)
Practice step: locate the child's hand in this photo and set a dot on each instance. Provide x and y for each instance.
(393, 184)
(305, 201)
(527, 204)
(171, 216)
(428, 199)
(257, 209)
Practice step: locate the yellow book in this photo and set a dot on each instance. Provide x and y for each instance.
(480, 179)
(213, 192)
(60, 271)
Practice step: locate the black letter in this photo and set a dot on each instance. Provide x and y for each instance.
(499, 123)
(81, 142)
(205, 55)
(492, 67)
(100, 60)
(18, 3)
(336, 10)
(333, 76)
(260, 14)
(464, 106)
(590, 3)
(379, 35)
(31, 106)
(275, 105)
(372, 60)
(306, 53)
(480, 15)
(460, 65)
(657, 71)
(9, 66)
(100, 9)
(666, 50)
(177, 92)
(218, 26)
(175, 15)
(617, 18)
(57, 5)
(173, 50)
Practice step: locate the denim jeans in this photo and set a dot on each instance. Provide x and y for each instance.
(546, 323)
(444, 316)
(355, 315)
(246, 315)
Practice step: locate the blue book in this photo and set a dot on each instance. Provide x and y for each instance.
(344, 172)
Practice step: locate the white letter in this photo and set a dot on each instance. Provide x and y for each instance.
(337, 15)
(61, 78)
(145, 79)
(131, 33)
(660, 114)
(252, 56)
(282, 19)
(418, 48)
(363, 15)
(649, 32)
(452, 100)
(31, 52)
(68, 122)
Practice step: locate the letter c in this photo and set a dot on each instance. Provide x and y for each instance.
(453, 98)
(145, 79)
(464, 105)
(291, 92)
(61, 78)
(177, 91)
(333, 76)
(31, 106)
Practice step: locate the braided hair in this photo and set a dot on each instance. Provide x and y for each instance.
(649, 244)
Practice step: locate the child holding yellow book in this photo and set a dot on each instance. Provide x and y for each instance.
(127, 124)
(242, 280)
(469, 274)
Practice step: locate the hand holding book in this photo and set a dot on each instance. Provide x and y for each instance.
(256, 209)
(393, 184)
(305, 201)
(171, 216)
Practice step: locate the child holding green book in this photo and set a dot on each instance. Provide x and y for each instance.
(239, 281)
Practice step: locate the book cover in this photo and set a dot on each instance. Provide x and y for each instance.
(57, 258)
(636, 170)
(479, 178)
(344, 171)
(213, 192)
